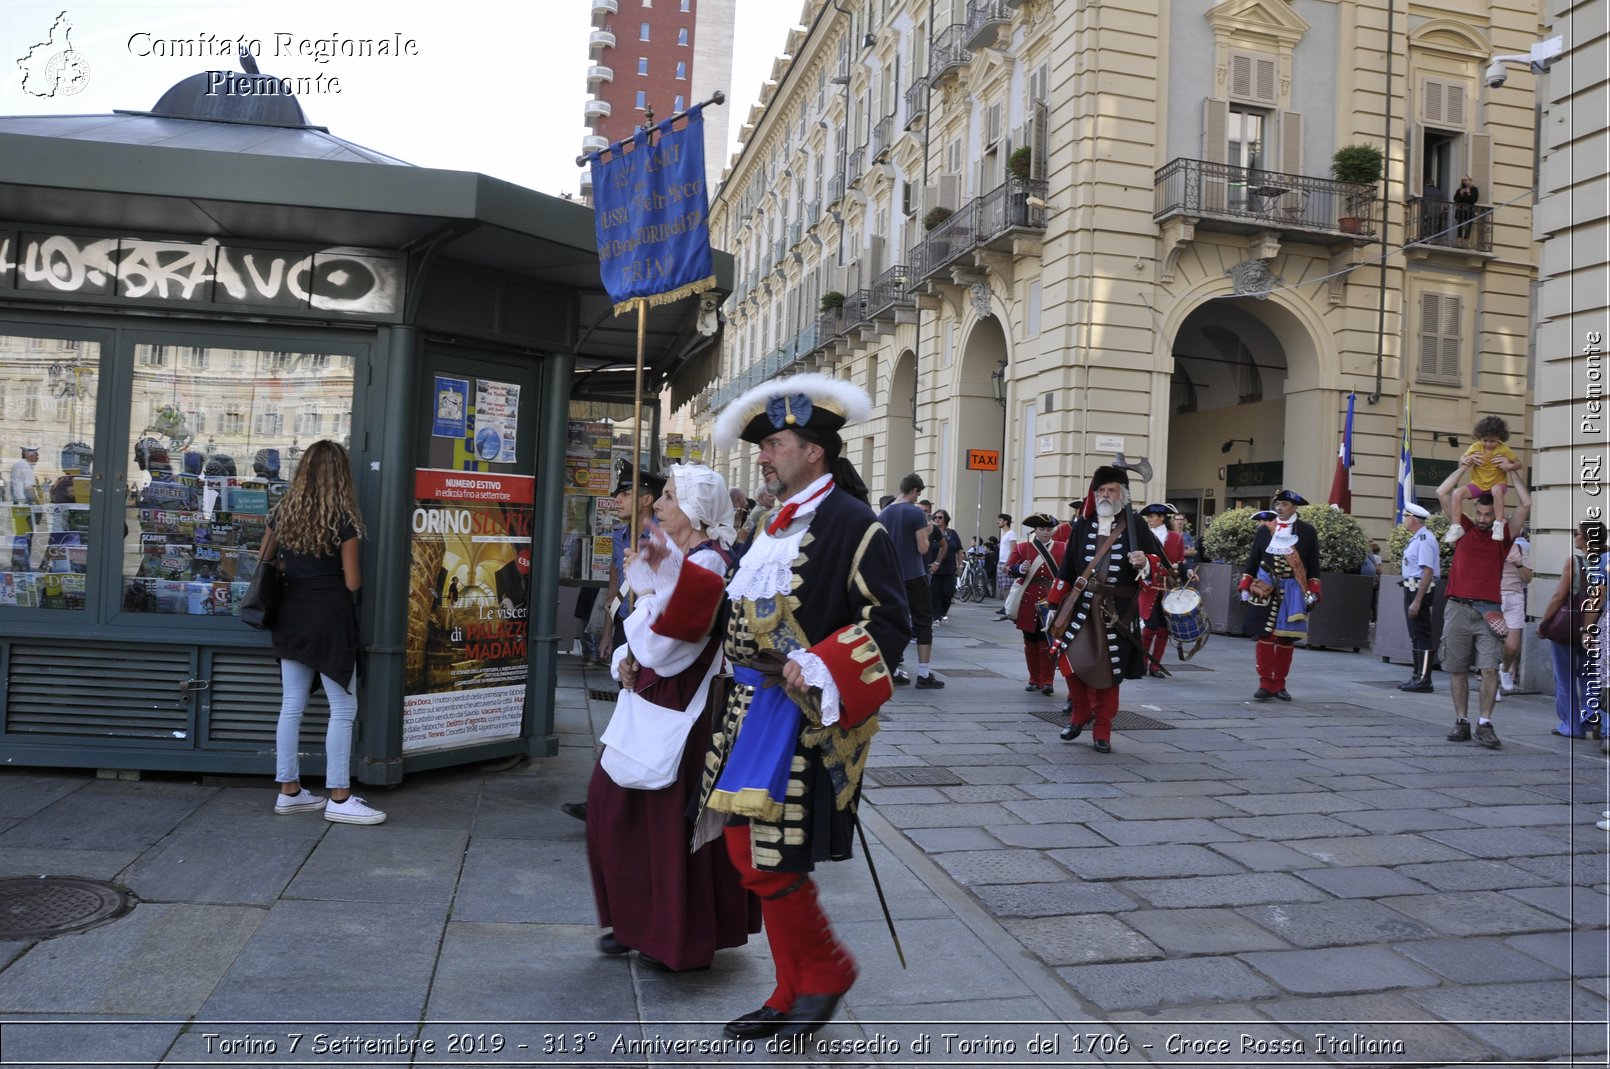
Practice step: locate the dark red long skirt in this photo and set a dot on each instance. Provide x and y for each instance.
(660, 899)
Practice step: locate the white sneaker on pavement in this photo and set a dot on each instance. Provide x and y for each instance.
(352, 811)
(303, 801)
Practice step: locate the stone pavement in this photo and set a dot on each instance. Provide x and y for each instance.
(1326, 881)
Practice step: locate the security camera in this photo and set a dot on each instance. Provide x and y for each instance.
(1497, 75)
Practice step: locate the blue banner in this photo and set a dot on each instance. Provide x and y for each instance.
(651, 215)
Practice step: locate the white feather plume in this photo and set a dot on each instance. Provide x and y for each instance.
(826, 390)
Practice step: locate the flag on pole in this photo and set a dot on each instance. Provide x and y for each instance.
(651, 215)
(1405, 494)
(1341, 486)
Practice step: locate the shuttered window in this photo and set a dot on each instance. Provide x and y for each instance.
(1441, 327)
(1252, 77)
(1442, 103)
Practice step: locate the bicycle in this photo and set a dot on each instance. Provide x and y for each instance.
(973, 584)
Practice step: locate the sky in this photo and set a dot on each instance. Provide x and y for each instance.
(495, 87)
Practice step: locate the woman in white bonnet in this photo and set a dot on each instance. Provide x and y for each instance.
(675, 908)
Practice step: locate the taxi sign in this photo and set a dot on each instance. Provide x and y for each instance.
(983, 460)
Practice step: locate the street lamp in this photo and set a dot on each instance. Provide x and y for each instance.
(1538, 57)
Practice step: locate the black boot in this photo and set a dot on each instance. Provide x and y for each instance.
(1421, 683)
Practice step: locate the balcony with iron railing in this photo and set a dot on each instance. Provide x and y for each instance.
(888, 292)
(855, 308)
(855, 166)
(1442, 224)
(830, 324)
(992, 221)
(779, 250)
(882, 138)
(835, 189)
(984, 18)
(916, 102)
(796, 233)
(813, 212)
(1238, 200)
(949, 51)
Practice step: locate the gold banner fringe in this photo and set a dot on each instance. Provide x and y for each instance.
(667, 297)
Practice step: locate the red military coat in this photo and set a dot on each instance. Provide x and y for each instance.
(1157, 584)
(1022, 560)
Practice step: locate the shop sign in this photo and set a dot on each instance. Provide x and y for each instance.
(335, 280)
(469, 594)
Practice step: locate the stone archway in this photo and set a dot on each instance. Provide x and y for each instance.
(979, 422)
(900, 450)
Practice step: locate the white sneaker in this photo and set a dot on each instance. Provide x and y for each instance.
(1603, 825)
(1498, 530)
(1506, 682)
(1498, 695)
(302, 801)
(352, 811)
(1455, 533)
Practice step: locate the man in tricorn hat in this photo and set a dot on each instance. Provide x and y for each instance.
(1096, 631)
(1280, 585)
(1422, 563)
(1152, 617)
(817, 628)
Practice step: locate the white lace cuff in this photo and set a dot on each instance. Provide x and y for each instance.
(817, 675)
(646, 580)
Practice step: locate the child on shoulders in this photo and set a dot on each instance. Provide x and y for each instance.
(1490, 461)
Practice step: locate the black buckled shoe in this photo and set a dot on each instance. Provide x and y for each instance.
(575, 809)
(809, 1013)
(1071, 732)
(1261, 695)
(1103, 746)
(755, 1025)
(1047, 689)
(1283, 695)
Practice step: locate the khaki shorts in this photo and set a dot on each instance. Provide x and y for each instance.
(1467, 642)
(1515, 610)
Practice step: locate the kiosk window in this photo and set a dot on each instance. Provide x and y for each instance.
(48, 452)
(198, 500)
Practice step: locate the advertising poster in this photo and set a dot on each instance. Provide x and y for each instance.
(673, 447)
(452, 407)
(468, 600)
(497, 420)
(589, 477)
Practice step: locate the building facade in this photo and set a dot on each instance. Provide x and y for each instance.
(1040, 233)
(665, 56)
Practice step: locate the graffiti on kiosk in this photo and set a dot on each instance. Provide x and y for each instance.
(357, 281)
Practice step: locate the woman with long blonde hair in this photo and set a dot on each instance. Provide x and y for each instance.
(314, 534)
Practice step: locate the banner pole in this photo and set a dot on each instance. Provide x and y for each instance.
(637, 419)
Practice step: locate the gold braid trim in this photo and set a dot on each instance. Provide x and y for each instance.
(843, 749)
(707, 283)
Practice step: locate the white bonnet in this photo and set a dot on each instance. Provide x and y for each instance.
(704, 498)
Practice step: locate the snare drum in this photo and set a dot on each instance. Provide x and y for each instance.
(1187, 622)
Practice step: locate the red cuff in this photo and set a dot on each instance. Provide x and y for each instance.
(1246, 582)
(1313, 586)
(1059, 590)
(691, 608)
(859, 672)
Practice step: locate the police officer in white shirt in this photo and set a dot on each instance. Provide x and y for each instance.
(1422, 564)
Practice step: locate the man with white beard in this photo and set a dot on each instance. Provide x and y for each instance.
(1096, 632)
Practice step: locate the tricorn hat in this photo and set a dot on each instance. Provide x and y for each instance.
(1264, 516)
(1039, 519)
(809, 404)
(651, 482)
(1291, 495)
(1159, 508)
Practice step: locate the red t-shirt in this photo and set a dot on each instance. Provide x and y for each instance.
(1478, 566)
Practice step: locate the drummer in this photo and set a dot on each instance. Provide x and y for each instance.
(1154, 620)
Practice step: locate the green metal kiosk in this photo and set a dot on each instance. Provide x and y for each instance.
(188, 299)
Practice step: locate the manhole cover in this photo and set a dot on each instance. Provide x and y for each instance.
(914, 777)
(1126, 720)
(603, 695)
(38, 907)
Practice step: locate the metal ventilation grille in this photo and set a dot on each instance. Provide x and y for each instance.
(243, 702)
(100, 691)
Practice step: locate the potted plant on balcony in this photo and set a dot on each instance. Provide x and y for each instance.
(936, 215)
(1021, 162)
(832, 301)
(1359, 166)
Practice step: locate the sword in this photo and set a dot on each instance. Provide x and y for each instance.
(878, 886)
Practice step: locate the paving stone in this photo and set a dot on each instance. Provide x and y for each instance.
(983, 793)
(1339, 970)
(1087, 773)
(939, 840)
(1381, 767)
(492, 972)
(1295, 826)
(1399, 821)
(950, 751)
(109, 815)
(941, 946)
(1581, 906)
(886, 796)
(45, 861)
(1004, 774)
(1521, 816)
(92, 1040)
(1522, 1020)
(24, 793)
(1164, 983)
(1482, 875)
(1188, 932)
(1379, 850)
(1137, 862)
(1473, 913)
(519, 881)
(1261, 856)
(1581, 954)
(1347, 783)
(1162, 808)
(1478, 961)
(1579, 870)
(385, 863)
(1056, 811)
(1393, 1025)
(1363, 881)
(1082, 940)
(1148, 832)
(970, 868)
(1160, 1035)
(949, 815)
(1188, 771)
(221, 867)
(1236, 890)
(1074, 790)
(1180, 788)
(1269, 805)
(1345, 922)
(1492, 795)
(1048, 836)
(1050, 900)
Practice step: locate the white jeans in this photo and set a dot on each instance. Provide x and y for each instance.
(296, 680)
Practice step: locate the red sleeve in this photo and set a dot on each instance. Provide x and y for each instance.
(859, 672)
(691, 609)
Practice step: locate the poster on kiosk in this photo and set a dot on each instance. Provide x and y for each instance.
(469, 587)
